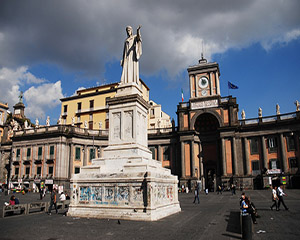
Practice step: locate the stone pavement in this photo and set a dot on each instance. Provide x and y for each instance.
(216, 217)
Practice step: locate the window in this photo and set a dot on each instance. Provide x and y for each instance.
(272, 144)
(27, 170)
(293, 162)
(77, 153)
(254, 145)
(65, 109)
(16, 171)
(92, 154)
(51, 151)
(152, 149)
(91, 104)
(18, 154)
(255, 165)
(79, 106)
(166, 153)
(50, 170)
(28, 153)
(274, 164)
(290, 143)
(39, 170)
(152, 113)
(40, 152)
(77, 170)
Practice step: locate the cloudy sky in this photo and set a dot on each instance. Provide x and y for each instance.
(49, 49)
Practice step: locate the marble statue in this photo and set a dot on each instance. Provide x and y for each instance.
(277, 109)
(243, 115)
(21, 97)
(131, 55)
(259, 112)
(73, 121)
(297, 106)
(100, 125)
(15, 125)
(26, 124)
(37, 124)
(85, 124)
(48, 121)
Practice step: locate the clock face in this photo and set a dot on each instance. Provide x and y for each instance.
(204, 92)
(203, 82)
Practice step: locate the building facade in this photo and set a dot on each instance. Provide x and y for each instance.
(210, 143)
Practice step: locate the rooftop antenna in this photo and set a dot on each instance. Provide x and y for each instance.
(202, 60)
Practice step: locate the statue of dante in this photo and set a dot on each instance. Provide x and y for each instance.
(131, 55)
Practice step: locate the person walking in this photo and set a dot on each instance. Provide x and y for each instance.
(280, 195)
(274, 198)
(53, 202)
(196, 194)
(247, 207)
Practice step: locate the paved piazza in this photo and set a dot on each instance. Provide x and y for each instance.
(216, 217)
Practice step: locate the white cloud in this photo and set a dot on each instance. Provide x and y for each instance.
(42, 99)
(84, 36)
(38, 99)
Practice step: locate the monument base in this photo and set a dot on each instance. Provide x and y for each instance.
(141, 189)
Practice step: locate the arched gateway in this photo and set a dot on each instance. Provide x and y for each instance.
(206, 127)
(207, 153)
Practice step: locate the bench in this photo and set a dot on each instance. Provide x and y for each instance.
(37, 207)
(11, 210)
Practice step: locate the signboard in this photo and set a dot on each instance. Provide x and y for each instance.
(284, 180)
(49, 181)
(274, 171)
(204, 104)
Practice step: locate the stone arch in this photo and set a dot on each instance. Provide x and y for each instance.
(204, 111)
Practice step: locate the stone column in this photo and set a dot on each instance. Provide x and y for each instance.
(196, 87)
(247, 163)
(201, 166)
(182, 159)
(85, 154)
(224, 168)
(234, 157)
(192, 158)
(283, 153)
(217, 83)
(211, 83)
(191, 86)
(264, 152)
(159, 158)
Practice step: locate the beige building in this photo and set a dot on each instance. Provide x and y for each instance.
(89, 109)
(158, 118)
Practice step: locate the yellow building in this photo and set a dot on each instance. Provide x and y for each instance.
(89, 109)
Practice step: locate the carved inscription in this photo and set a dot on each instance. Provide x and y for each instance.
(204, 104)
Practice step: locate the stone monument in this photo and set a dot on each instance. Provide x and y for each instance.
(126, 183)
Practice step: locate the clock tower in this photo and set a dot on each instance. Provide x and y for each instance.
(204, 79)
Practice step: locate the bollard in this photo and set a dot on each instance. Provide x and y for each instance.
(246, 226)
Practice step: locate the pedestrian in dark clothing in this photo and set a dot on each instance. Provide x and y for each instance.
(219, 189)
(197, 194)
(52, 202)
(280, 195)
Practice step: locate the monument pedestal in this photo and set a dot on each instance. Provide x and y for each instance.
(126, 183)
